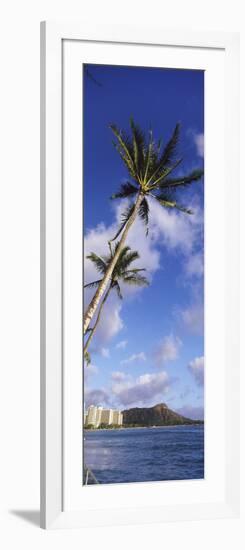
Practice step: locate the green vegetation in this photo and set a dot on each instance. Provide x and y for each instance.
(103, 426)
(121, 272)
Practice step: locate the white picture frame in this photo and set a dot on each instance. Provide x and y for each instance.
(57, 510)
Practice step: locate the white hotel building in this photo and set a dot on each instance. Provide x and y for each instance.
(96, 416)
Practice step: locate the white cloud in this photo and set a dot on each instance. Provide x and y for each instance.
(175, 229)
(110, 323)
(144, 389)
(134, 357)
(149, 255)
(198, 139)
(167, 227)
(196, 367)
(193, 317)
(105, 352)
(118, 376)
(122, 344)
(126, 390)
(96, 240)
(194, 265)
(167, 350)
(89, 371)
(96, 397)
(199, 143)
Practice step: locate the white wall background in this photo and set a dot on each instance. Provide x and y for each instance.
(19, 271)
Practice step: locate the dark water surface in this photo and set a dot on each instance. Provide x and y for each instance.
(145, 454)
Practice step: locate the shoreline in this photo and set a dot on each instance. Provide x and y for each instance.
(201, 423)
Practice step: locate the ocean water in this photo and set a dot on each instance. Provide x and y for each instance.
(145, 454)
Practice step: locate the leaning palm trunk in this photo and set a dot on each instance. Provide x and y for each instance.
(150, 168)
(85, 349)
(102, 286)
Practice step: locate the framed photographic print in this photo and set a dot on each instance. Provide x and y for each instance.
(139, 274)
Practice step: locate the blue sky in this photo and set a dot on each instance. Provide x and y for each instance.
(149, 347)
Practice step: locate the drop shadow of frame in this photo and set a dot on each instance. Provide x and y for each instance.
(31, 516)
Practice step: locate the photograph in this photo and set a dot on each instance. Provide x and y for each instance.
(143, 274)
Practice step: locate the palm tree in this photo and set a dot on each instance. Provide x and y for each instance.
(87, 358)
(150, 169)
(121, 272)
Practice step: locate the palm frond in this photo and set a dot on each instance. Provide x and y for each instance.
(121, 261)
(161, 174)
(92, 78)
(169, 151)
(128, 259)
(165, 163)
(87, 357)
(94, 284)
(126, 161)
(125, 190)
(184, 209)
(182, 181)
(138, 141)
(150, 157)
(151, 166)
(98, 262)
(131, 271)
(123, 251)
(159, 145)
(138, 280)
(166, 201)
(122, 270)
(116, 285)
(125, 217)
(124, 148)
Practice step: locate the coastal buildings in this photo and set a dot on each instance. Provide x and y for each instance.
(95, 416)
(91, 415)
(99, 413)
(117, 418)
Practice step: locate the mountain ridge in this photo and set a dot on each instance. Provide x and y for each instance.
(157, 415)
